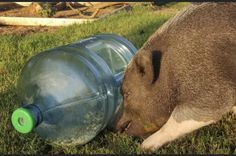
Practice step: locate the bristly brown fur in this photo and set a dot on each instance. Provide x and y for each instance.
(189, 62)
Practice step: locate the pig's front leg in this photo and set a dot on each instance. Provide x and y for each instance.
(177, 126)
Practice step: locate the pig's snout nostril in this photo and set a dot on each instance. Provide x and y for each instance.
(125, 126)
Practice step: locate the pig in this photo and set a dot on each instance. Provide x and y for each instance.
(184, 76)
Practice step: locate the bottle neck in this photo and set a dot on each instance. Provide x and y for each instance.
(36, 112)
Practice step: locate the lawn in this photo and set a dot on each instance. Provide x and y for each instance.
(136, 25)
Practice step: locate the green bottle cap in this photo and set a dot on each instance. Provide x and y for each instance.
(22, 120)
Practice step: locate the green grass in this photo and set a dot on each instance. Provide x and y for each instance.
(136, 26)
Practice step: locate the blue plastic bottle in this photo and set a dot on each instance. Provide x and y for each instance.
(70, 93)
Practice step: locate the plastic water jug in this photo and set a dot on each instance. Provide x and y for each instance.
(72, 92)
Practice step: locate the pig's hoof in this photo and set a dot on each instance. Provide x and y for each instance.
(234, 109)
(149, 145)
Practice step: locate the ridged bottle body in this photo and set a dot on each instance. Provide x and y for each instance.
(75, 88)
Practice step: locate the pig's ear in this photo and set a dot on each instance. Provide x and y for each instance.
(148, 65)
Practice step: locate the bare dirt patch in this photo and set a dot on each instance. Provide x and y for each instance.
(15, 10)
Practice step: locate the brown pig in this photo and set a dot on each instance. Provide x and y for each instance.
(184, 77)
